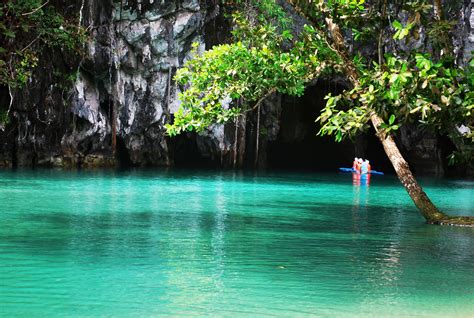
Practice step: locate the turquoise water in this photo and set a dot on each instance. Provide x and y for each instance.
(194, 243)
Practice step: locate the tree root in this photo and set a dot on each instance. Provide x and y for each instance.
(465, 221)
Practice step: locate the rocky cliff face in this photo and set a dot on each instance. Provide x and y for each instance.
(466, 30)
(123, 93)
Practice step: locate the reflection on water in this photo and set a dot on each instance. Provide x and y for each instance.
(361, 179)
(194, 243)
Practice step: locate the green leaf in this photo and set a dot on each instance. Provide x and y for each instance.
(393, 78)
(391, 120)
(286, 34)
(9, 33)
(397, 25)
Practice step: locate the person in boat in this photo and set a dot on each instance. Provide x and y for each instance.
(359, 165)
(355, 163)
(365, 167)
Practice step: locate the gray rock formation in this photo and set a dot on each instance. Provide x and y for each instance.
(137, 49)
(466, 30)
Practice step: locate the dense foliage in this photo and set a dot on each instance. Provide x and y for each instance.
(415, 89)
(229, 72)
(27, 28)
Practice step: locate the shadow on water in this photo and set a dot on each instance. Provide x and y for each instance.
(302, 223)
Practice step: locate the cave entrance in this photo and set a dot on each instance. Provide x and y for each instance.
(122, 155)
(186, 153)
(299, 147)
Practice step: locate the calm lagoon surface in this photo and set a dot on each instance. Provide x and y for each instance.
(204, 243)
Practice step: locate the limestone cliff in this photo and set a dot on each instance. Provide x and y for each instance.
(123, 92)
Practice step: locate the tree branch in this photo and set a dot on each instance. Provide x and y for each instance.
(31, 43)
(34, 11)
(260, 101)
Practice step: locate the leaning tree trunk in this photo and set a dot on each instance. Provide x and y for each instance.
(429, 211)
(423, 203)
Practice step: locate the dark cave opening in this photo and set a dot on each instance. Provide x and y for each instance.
(186, 153)
(446, 148)
(122, 155)
(299, 147)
